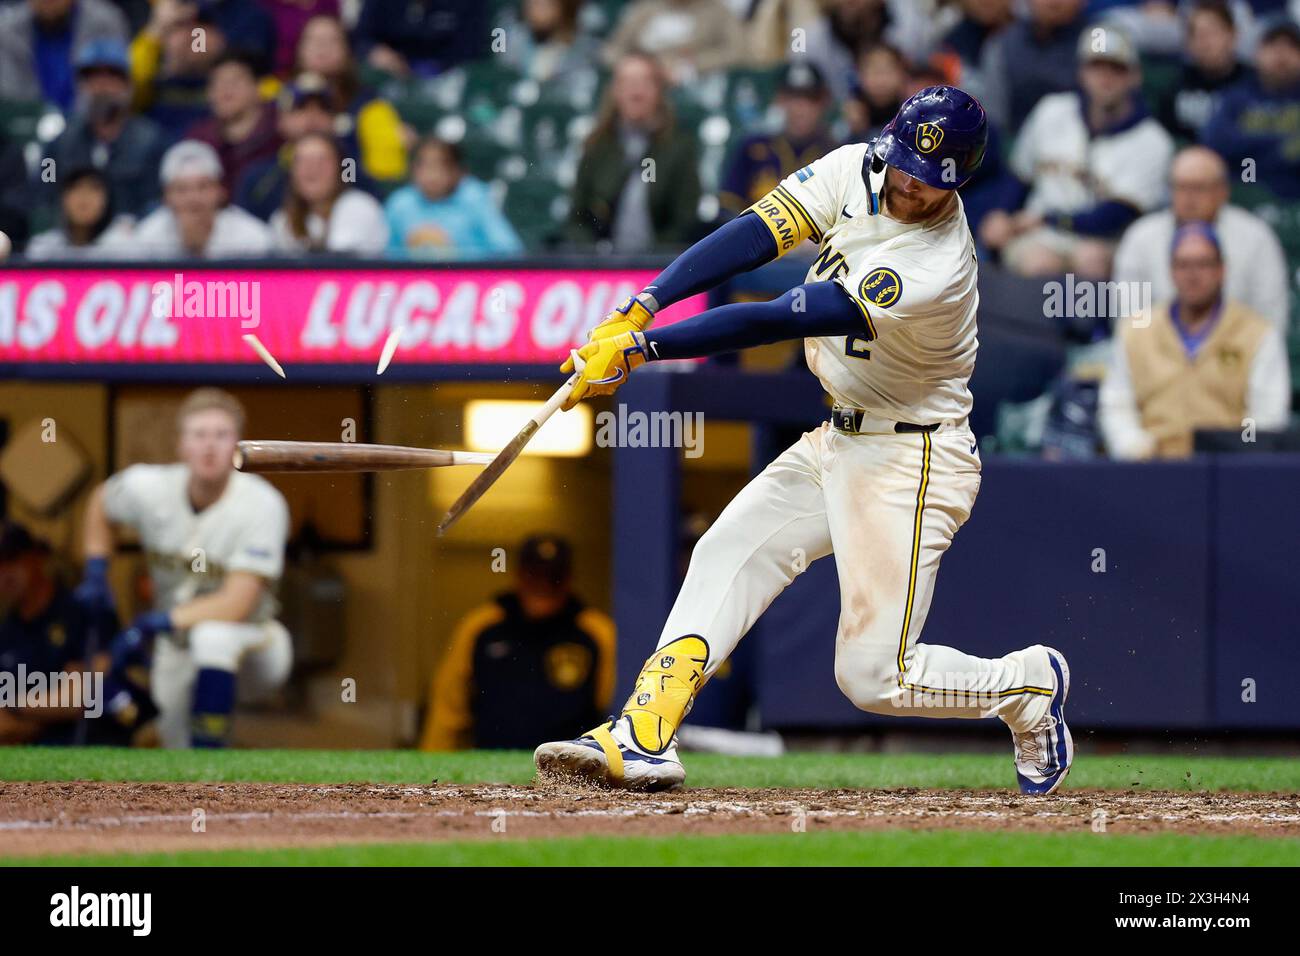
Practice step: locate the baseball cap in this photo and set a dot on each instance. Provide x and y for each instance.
(190, 157)
(1279, 25)
(105, 52)
(305, 86)
(1100, 42)
(15, 541)
(802, 77)
(546, 556)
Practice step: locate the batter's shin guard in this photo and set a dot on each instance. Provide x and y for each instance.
(214, 705)
(664, 691)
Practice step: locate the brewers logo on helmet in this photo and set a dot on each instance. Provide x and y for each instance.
(928, 137)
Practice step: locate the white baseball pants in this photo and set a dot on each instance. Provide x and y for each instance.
(887, 505)
(260, 654)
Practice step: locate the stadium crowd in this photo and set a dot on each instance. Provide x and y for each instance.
(465, 130)
(632, 126)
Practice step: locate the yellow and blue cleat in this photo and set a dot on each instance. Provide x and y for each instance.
(1045, 753)
(637, 750)
(606, 756)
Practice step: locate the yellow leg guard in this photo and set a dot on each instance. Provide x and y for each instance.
(664, 691)
(613, 756)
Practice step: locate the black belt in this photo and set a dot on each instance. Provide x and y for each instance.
(850, 420)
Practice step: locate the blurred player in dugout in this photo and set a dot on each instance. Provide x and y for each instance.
(537, 642)
(214, 539)
(46, 631)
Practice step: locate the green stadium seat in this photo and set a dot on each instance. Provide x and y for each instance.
(1285, 219)
(483, 155)
(749, 91)
(420, 111)
(601, 17)
(44, 216)
(1160, 77)
(489, 81)
(546, 126)
(19, 118)
(531, 207)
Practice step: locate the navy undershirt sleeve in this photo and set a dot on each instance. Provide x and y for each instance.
(742, 244)
(817, 308)
(1108, 218)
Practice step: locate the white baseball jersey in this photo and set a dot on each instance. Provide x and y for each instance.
(914, 282)
(1069, 169)
(190, 552)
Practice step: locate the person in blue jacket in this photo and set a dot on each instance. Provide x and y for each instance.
(444, 213)
(1257, 125)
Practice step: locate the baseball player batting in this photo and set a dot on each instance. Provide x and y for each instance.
(887, 314)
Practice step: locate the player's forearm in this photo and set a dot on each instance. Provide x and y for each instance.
(817, 308)
(740, 245)
(1108, 218)
(97, 531)
(233, 601)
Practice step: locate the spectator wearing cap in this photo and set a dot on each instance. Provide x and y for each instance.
(323, 213)
(1210, 68)
(689, 37)
(104, 134)
(39, 43)
(1088, 163)
(1201, 361)
(324, 49)
(88, 223)
(195, 220)
(304, 107)
(879, 90)
(1256, 127)
(1255, 268)
(425, 37)
(45, 631)
(764, 159)
(537, 643)
(242, 126)
(444, 213)
(638, 183)
(169, 66)
(1032, 58)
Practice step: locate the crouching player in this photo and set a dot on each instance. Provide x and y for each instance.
(214, 540)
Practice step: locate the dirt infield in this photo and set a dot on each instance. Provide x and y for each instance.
(81, 817)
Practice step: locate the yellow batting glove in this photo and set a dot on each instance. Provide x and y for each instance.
(604, 364)
(631, 316)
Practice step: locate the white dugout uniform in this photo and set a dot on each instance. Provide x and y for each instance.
(189, 554)
(886, 503)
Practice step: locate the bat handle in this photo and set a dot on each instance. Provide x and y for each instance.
(553, 403)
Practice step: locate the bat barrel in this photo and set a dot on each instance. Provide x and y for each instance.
(306, 456)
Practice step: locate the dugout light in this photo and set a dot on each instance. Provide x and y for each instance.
(490, 424)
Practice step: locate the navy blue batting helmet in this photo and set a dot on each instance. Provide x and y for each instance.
(937, 137)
